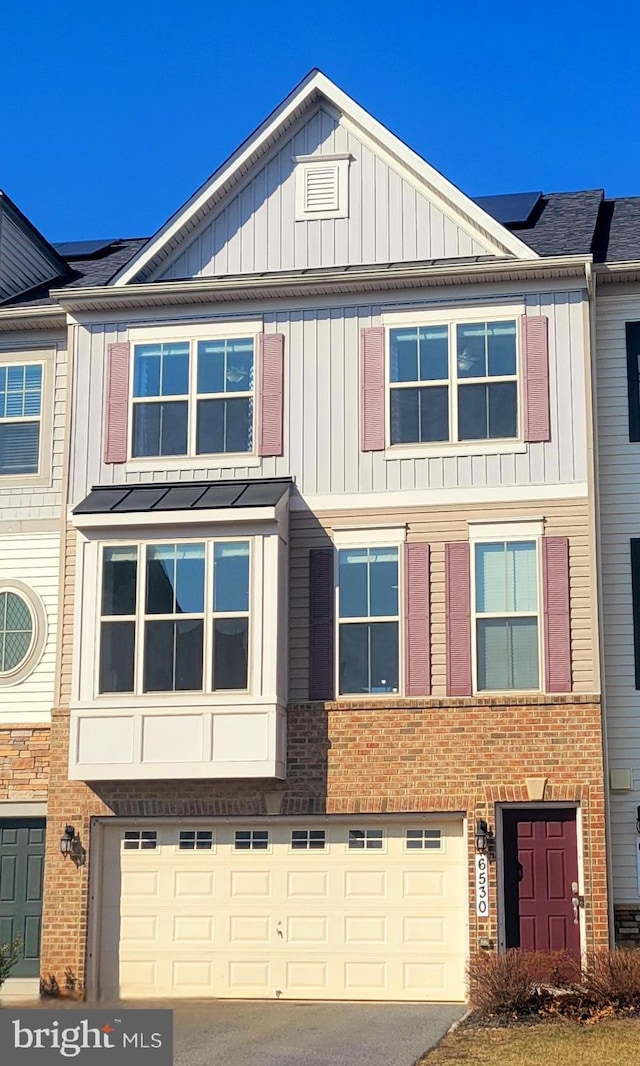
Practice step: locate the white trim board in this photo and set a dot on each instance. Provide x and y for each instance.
(409, 498)
(315, 87)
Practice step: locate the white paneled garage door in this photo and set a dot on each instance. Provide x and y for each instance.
(331, 910)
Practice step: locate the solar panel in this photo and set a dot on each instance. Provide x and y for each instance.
(81, 249)
(511, 209)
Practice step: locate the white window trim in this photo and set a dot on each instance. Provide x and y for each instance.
(305, 163)
(265, 576)
(46, 359)
(376, 536)
(362, 539)
(192, 335)
(453, 317)
(520, 530)
(208, 616)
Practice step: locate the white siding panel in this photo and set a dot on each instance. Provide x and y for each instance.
(33, 559)
(322, 414)
(255, 229)
(619, 463)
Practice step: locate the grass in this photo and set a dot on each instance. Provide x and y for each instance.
(611, 1042)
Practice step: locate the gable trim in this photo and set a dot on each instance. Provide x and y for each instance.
(315, 87)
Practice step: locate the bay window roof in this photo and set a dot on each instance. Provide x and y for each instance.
(184, 496)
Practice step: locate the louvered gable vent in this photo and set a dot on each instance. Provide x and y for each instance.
(321, 188)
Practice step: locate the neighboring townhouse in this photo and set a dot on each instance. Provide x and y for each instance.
(33, 368)
(329, 714)
(618, 398)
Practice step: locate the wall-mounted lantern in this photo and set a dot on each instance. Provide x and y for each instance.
(482, 836)
(71, 846)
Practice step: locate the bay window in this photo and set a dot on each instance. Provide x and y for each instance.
(175, 617)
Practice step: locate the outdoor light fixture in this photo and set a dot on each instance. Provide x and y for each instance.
(482, 836)
(638, 820)
(71, 847)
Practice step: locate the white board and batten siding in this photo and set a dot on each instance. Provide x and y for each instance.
(619, 475)
(389, 220)
(33, 560)
(322, 447)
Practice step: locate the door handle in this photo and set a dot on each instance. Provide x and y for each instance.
(577, 901)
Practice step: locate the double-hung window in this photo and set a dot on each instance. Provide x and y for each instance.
(453, 382)
(175, 617)
(368, 617)
(507, 615)
(20, 417)
(193, 397)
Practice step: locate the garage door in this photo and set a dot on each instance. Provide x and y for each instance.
(333, 910)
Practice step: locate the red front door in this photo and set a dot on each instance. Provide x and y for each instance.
(541, 867)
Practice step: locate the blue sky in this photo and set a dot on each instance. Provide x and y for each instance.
(113, 113)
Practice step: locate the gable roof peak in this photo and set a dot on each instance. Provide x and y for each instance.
(313, 86)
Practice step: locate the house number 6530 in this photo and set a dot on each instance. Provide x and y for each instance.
(482, 886)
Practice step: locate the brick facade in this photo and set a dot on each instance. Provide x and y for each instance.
(360, 757)
(24, 762)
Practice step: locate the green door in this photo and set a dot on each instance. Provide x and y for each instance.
(21, 867)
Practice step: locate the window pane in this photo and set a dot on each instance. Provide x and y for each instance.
(506, 577)
(501, 341)
(173, 655)
(471, 355)
(161, 370)
(404, 354)
(353, 583)
(508, 653)
(383, 571)
(189, 578)
(20, 390)
(503, 409)
(19, 447)
(16, 630)
(160, 428)
(231, 576)
(175, 579)
(119, 573)
(369, 657)
(160, 579)
(434, 353)
(419, 415)
(472, 412)
(117, 645)
(230, 653)
(224, 426)
(225, 366)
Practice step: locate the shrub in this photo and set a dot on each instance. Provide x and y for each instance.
(9, 956)
(517, 982)
(611, 979)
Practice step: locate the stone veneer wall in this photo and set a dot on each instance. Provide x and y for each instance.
(24, 762)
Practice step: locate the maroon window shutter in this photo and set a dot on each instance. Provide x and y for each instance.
(117, 406)
(535, 345)
(416, 613)
(458, 608)
(557, 619)
(372, 389)
(271, 381)
(321, 600)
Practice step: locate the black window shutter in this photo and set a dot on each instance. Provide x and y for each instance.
(321, 593)
(633, 378)
(635, 593)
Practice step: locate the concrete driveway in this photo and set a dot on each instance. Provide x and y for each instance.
(253, 1033)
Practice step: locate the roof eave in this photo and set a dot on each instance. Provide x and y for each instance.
(21, 318)
(324, 281)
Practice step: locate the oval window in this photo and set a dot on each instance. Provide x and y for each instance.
(16, 631)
